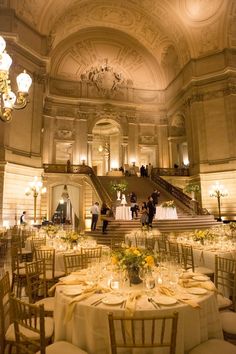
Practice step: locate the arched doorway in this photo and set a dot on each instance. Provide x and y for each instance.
(106, 152)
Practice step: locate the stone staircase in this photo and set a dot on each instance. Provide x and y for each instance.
(143, 187)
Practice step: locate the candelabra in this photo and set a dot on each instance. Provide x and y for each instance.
(8, 100)
(35, 188)
(218, 191)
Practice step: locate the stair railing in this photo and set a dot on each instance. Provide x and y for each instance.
(81, 169)
(192, 206)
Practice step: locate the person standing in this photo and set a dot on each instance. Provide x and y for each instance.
(104, 215)
(23, 218)
(149, 168)
(151, 211)
(94, 210)
(155, 195)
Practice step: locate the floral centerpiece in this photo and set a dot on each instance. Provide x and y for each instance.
(51, 230)
(119, 186)
(168, 204)
(70, 237)
(192, 187)
(202, 235)
(132, 259)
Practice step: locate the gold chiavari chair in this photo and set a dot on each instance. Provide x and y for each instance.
(74, 262)
(6, 325)
(149, 332)
(91, 255)
(18, 272)
(48, 255)
(36, 286)
(30, 318)
(173, 251)
(225, 281)
(188, 262)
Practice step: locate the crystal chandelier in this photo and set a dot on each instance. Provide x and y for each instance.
(9, 100)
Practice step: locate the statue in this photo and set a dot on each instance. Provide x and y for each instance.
(123, 200)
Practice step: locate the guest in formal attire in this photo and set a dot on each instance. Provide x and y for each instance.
(151, 211)
(155, 195)
(132, 197)
(134, 210)
(104, 217)
(23, 218)
(144, 215)
(94, 210)
(142, 171)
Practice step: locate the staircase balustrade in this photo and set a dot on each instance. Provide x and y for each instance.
(192, 205)
(81, 169)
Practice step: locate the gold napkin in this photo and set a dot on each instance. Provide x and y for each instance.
(131, 302)
(86, 294)
(190, 302)
(51, 291)
(188, 283)
(166, 291)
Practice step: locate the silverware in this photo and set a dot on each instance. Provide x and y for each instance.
(153, 303)
(97, 302)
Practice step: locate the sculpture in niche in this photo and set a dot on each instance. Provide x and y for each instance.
(64, 134)
(104, 78)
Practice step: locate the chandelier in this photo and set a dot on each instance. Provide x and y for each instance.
(9, 100)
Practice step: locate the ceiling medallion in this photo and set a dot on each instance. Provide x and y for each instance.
(105, 78)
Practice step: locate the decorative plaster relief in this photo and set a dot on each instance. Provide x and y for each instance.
(200, 10)
(64, 134)
(147, 139)
(209, 38)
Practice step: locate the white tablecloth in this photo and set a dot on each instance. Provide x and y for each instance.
(123, 213)
(165, 213)
(88, 326)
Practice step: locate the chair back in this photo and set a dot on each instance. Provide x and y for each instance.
(225, 277)
(74, 262)
(48, 255)
(149, 332)
(37, 243)
(187, 257)
(161, 245)
(92, 254)
(173, 251)
(35, 280)
(5, 311)
(29, 317)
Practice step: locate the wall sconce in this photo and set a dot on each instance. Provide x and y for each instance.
(218, 191)
(8, 99)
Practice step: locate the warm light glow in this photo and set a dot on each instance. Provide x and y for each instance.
(100, 148)
(186, 161)
(24, 82)
(35, 188)
(6, 223)
(114, 164)
(218, 190)
(8, 99)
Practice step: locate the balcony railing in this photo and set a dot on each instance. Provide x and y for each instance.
(172, 171)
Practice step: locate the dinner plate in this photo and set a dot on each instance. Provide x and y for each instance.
(165, 300)
(197, 291)
(113, 300)
(201, 277)
(72, 291)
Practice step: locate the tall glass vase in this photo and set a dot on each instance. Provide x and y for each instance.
(133, 274)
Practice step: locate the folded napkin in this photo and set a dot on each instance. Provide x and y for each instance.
(165, 290)
(188, 283)
(86, 294)
(189, 302)
(78, 281)
(131, 302)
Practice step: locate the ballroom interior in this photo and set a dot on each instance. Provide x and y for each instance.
(118, 83)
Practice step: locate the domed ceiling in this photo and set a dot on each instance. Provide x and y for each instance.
(147, 41)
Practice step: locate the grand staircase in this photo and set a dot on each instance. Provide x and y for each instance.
(143, 187)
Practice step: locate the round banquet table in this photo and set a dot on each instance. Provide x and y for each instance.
(123, 213)
(165, 213)
(88, 326)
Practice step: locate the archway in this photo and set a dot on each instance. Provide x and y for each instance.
(106, 152)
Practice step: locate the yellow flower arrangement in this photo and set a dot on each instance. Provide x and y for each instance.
(51, 230)
(168, 204)
(70, 237)
(133, 257)
(201, 235)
